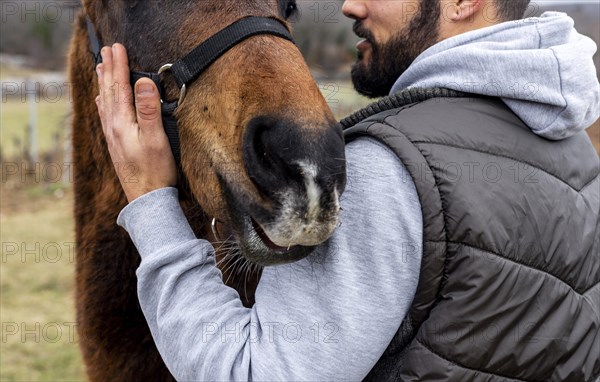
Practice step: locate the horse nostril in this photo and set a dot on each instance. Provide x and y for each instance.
(261, 153)
(276, 153)
(263, 147)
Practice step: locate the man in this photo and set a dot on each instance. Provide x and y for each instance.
(469, 244)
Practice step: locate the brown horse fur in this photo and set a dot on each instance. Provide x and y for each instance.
(262, 76)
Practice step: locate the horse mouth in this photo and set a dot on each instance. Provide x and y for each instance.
(256, 247)
(260, 232)
(251, 238)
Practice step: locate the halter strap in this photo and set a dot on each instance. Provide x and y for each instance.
(188, 69)
(204, 55)
(95, 42)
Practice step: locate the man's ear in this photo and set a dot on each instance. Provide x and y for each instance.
(462, 10)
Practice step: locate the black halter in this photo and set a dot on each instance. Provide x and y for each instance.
(188, 69)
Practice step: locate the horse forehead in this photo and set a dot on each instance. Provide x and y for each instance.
(174, 26)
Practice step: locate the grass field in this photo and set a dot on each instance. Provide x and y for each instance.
(51, 123)
(342, 98)
(11, 71)
(36, 278)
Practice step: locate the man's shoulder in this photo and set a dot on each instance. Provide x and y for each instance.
(376, 175)
(370, 157)
(446, 110)
(434, 102)
(456, 121)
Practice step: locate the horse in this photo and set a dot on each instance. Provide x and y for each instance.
(262, 158)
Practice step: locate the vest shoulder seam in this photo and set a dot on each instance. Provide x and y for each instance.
(507, 157)
(471, 368)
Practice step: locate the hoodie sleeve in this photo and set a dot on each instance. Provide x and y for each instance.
(329, 316)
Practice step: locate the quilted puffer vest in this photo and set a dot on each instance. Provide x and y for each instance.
(509, 287)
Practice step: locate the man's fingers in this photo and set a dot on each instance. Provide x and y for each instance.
(100, 107)
(147, 105)
(100, 73)
(107, 76)
(122, 86)
(120, 64)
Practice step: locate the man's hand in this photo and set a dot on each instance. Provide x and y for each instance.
(137, 143)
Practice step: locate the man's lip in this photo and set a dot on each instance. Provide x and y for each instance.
(363, 44)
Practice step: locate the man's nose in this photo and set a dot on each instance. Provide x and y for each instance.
(355, 9)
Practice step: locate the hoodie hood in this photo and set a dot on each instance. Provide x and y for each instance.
(539, 66)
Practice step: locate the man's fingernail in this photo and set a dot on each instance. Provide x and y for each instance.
(145, 89)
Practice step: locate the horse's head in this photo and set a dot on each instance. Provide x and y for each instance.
(260, 148)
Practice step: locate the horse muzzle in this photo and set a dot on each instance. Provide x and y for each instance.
(298, 172)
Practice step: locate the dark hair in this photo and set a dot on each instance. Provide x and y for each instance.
(509, 10)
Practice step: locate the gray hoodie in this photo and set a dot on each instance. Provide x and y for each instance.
(540, 67)
(332, 315)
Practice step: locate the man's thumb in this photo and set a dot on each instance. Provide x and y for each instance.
(147, 104)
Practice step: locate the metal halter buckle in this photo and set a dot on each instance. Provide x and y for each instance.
(183, 92)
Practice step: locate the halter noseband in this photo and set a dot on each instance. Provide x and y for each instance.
(188, 69)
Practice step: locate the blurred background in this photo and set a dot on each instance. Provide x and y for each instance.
(38, 340)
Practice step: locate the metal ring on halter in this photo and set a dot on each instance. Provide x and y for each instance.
(182, 93)
(213, 227)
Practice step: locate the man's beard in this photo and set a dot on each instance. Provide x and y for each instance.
(389, 60)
